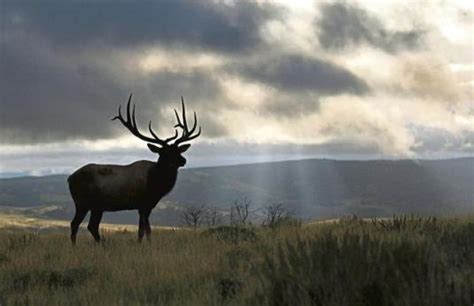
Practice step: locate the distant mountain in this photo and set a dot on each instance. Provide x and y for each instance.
(316, 188)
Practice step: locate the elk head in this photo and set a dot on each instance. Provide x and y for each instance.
(169, 149)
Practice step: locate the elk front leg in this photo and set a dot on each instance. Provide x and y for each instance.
(148, 227)
(144, 224)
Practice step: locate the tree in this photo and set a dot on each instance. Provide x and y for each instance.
(240, 211)
(194, 216)
(213, 216)
(276, 214)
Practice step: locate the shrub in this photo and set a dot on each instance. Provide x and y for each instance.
(406, 223)
(233, 234)
(287, 221)
(229, 287)
(52, 279)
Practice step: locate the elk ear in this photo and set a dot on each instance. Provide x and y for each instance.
(154, 148)
(184, 148)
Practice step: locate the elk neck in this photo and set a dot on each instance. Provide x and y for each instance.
(163, 176)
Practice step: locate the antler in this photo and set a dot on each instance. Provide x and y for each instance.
(187, 134)
(131, 124)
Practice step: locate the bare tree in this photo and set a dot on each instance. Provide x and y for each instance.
(213, 216)
(276, 214)
(240, 211)
(194, 216)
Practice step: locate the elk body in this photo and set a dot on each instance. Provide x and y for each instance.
(138, 186)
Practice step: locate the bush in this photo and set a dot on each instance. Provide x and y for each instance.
(287, 221)
(406, 223)
(229, 287)
(233, 234)
(52, 279)
(278, 215)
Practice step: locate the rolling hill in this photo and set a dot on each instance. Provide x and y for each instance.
(315, 188)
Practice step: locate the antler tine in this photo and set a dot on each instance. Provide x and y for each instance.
(172, 137)
(196, 135)
(194, 124)
(128, 108)
(191, 137)
(119, 114)
(134, 121)
(183, 108)
(151, 130)
(186, 134)
(177, 118)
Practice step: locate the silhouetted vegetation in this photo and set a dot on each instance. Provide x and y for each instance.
(193, 216)
(240, 211)
(399, 261)
(278, 215)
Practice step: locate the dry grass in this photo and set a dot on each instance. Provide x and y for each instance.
(351, 262)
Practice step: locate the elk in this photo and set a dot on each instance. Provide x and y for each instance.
(137, 186)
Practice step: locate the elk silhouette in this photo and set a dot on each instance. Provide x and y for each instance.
(140, 185)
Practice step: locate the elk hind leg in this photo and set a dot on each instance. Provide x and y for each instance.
(76, 222)
(94, 222)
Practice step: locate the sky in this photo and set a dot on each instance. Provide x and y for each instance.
(269, 80)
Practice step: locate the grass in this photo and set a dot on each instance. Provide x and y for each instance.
(401, 261)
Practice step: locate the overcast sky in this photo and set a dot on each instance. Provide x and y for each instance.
(268, 80)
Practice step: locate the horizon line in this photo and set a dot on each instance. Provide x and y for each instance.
(24, 174)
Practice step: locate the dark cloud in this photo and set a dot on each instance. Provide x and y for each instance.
(218, 26)
(62, 76)
(296, 73)
(46, 96)
(343, 25)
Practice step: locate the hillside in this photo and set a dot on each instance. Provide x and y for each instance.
(311, 188)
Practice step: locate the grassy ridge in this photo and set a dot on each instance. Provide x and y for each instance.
(405, 261)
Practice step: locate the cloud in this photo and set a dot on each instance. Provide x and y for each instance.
(208, 25)
(297, 73)
(443, 141)
(49, 96)
(293, 83)
(342, 26)
(253, 72)
(356, 122)
(426, 77)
